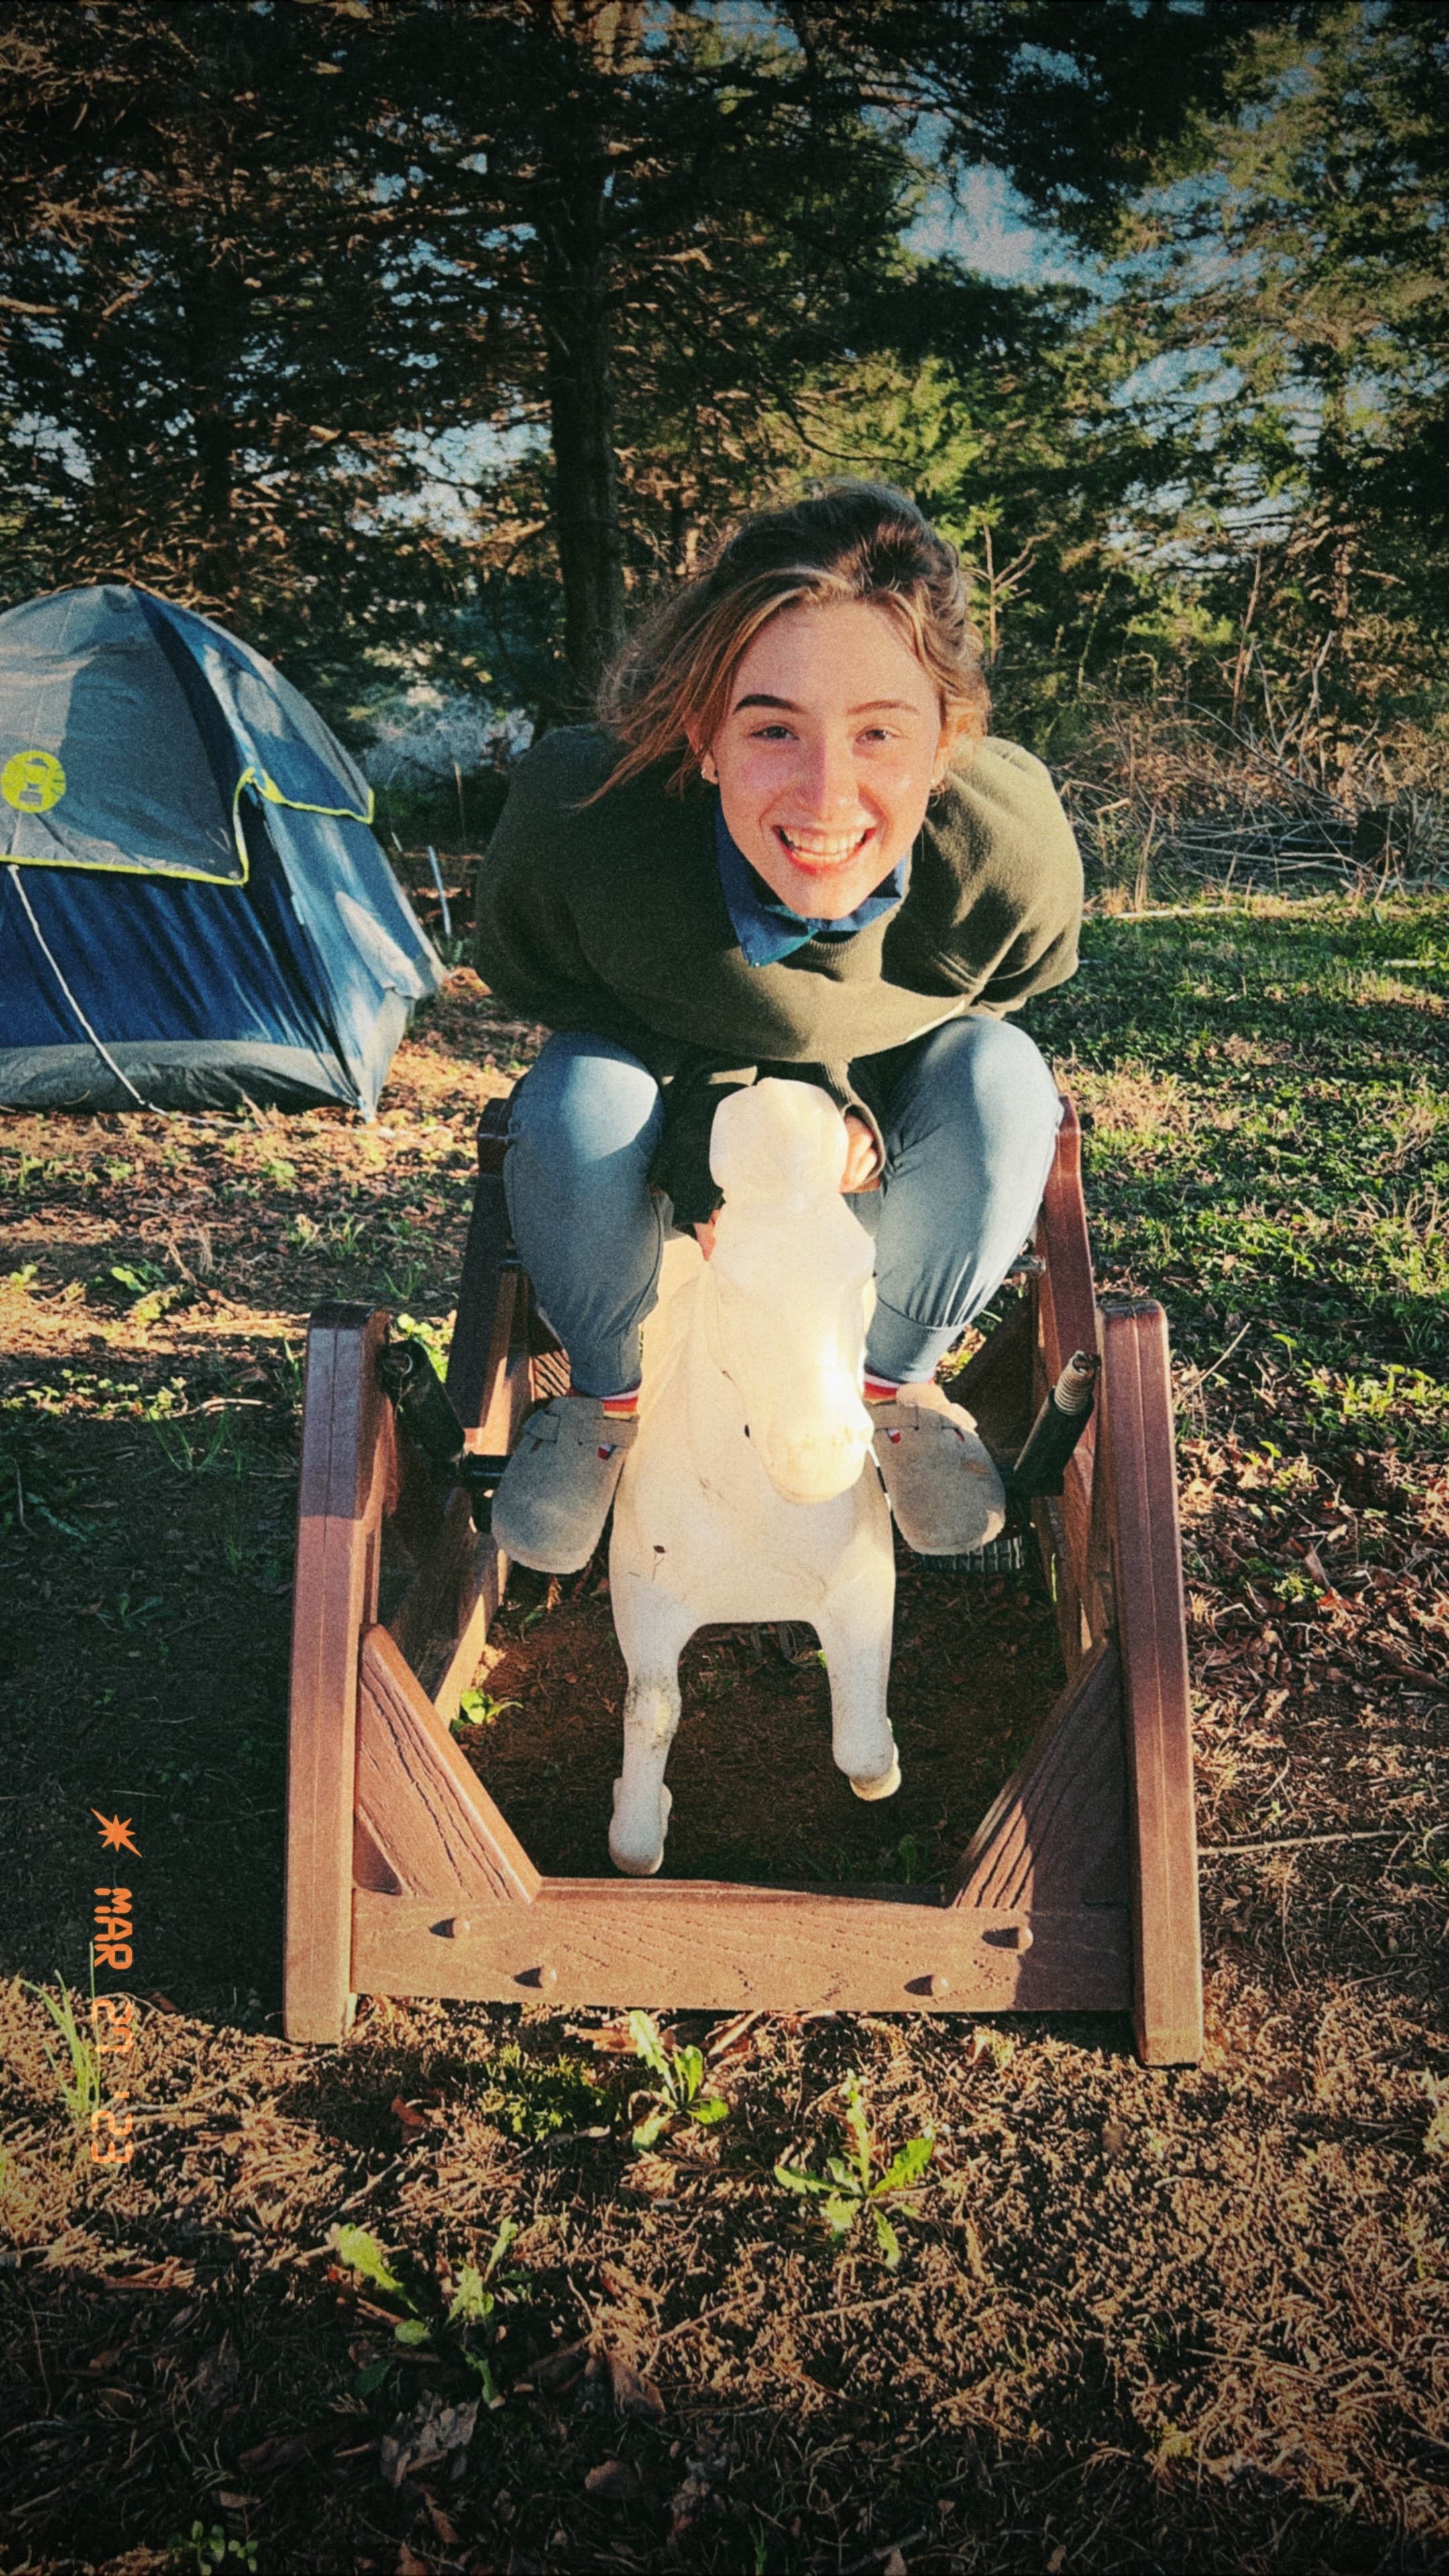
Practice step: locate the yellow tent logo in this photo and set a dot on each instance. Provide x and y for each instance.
(32, 781)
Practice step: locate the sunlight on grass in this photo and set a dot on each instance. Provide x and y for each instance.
(1267, 1146)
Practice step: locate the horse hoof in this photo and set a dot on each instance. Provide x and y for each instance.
(631, 1859)
(632, 1865)
(885, 1787)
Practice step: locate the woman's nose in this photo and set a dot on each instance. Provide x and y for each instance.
(827, 778)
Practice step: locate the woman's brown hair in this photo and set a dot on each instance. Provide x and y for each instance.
(669, 686)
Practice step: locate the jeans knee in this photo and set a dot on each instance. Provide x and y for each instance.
(991, 1074)
(584, 1101)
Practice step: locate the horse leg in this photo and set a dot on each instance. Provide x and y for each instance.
(854, 1625)
(652, 1633)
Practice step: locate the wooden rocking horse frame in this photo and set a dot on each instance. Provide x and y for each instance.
(1078, 1890)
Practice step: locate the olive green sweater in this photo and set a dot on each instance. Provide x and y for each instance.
(612, 920)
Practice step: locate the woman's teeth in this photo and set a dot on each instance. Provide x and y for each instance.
(808, 846)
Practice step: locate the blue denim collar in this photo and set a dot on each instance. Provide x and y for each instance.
(766, 928)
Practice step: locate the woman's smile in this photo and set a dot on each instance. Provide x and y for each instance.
(812, 850)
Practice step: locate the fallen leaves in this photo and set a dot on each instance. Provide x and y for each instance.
(614, 2482)
(432, 2433)
(633, 2395)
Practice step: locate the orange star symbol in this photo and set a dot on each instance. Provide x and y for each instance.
(115, 1835)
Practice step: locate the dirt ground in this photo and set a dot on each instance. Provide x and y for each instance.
(1195, 2319)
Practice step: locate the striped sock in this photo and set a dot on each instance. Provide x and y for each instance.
(619, 1408)
(880, 1390)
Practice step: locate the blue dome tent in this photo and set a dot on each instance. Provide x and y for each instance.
(193, 911)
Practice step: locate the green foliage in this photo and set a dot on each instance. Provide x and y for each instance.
(479, 1708)
(1263, 1151)
(850, 2188)
(534, 2098)
(448, 2331)
(678, 2091)
(78, 2079)
(1291, 278)
(435, 1339)
(204, 2549)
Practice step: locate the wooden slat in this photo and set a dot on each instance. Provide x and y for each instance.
(507, 1389)
(996, 1383)
(705, 1947)
(1137, 1444)
(433, 1602)
(424, 1810)
(486, 1289)
(1057, 1834)
(1066, 1293)
(478, 1599)
(1066, 1321)
(345, 1475)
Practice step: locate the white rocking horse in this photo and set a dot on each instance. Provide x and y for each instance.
(747, 1494)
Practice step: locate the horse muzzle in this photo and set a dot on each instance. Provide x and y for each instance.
(814, 1469)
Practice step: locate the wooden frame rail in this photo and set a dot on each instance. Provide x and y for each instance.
(1078, 1891)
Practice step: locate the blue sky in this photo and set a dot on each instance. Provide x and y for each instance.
(987, 227)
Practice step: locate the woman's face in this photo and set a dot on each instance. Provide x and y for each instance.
(828, 753)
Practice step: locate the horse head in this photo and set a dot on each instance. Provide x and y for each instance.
(788, 1287)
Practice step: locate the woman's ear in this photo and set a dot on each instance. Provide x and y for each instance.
(701, 750)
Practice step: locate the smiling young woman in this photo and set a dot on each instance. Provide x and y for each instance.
(787, 848)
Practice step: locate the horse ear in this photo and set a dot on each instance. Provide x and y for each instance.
(777, 1141)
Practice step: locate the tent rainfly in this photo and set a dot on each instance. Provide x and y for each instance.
(193, 911)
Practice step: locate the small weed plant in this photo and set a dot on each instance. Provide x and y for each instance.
(479, 1708)
(80, 2082)
(536, 2098)
(449, 2332)
(203, 2550)
(678, 2090)
(436, 1339)
(850, 2188)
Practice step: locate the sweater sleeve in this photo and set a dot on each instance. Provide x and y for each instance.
(526, 944)
(1004, 881)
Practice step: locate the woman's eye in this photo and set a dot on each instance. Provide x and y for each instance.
(770, 733)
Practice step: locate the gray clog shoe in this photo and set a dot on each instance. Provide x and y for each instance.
(938, 1473)
(554, 1494)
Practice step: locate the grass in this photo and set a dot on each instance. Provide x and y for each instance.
(78, 2074)
(1269, 1141)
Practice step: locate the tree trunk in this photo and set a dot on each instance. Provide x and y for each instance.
(209, 296)
(581, 408)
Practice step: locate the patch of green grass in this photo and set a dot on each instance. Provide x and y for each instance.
(479, 1708)
(1269, 1144)
(78, 2076)
(204, 2548)
(82, 1392)
(449, 2331)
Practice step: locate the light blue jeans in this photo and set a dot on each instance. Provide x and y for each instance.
(970, 1125)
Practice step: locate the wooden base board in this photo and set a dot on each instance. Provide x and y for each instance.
(708, 1947)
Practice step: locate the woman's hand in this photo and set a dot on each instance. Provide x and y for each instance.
(862, 1158)
(862, 1172)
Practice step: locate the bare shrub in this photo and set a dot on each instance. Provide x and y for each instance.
(1254, 806)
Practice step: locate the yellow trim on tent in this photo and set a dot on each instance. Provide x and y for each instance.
(269, 792)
